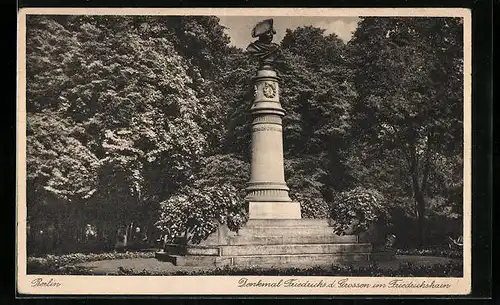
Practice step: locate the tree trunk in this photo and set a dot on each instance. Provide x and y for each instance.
(418, 194)
(419, 198)
(125, 237)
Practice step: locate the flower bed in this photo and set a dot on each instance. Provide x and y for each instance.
(431, 252)
(55, 264)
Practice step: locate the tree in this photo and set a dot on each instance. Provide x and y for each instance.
(61, 175)
(318, 95)
(409, 110)
(124, 85)
(201, 40)
(216, 197)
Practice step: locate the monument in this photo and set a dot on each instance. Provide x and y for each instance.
(275, 234)
(267, 193)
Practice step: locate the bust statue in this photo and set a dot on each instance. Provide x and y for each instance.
(264, 49)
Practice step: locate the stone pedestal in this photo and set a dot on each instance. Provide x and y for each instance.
(271, 243)
(273, 210)
(267, 192)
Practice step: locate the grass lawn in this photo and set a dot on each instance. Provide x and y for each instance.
(144, 263)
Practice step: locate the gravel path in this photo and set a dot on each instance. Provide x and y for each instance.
(154, 266)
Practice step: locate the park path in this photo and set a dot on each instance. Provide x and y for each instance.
(154, 266)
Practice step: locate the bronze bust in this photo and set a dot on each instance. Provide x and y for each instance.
(264, 49)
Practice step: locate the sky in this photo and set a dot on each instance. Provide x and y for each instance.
(239, 28)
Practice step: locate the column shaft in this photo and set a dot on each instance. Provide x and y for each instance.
(267, 180)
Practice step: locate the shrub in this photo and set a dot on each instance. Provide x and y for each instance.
(220, 169)
(312, 204)
(217, 197)
(197, 212)
(431, 252)
(61, 264)
(354, 211)
(306, 178)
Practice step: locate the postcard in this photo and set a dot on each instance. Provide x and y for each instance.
(244, 151)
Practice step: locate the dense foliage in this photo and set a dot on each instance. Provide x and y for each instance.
(62, 264)
(356, 210)
(409, 125)
(144, 120)
(197, 211)
(451, 253)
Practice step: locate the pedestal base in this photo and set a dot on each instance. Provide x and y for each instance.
(273, 210)
(272, 243)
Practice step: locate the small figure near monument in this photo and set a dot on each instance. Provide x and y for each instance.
(390, 241)
(264, 49)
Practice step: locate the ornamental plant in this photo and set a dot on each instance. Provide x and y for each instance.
(312, 203)
(196, 212)
(355, 210)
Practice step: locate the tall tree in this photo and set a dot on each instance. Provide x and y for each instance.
(410, 85)
(318, 95)
(202, 41)
(61, 175)
(121, 81)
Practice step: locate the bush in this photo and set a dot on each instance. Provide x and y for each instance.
(217, 197)
(431, 252)
(196, 213)
(220, 169)
(312, 204)
(61, 264)
(306, 178)
(437, 229)
(354, 211)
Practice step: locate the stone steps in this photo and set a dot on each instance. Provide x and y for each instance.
(264, 260)
(291, 239)
(271, 242)
(192, 250)
(243, 250)
(285, 230)
(287, 223)
(298, 260)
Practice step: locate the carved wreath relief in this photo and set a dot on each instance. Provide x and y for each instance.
(269, 90)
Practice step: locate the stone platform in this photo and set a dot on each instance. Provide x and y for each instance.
(271, 242)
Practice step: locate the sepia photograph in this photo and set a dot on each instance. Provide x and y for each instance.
(272, 151)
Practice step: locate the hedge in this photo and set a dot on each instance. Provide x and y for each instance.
(431, 252)
(59, 264)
